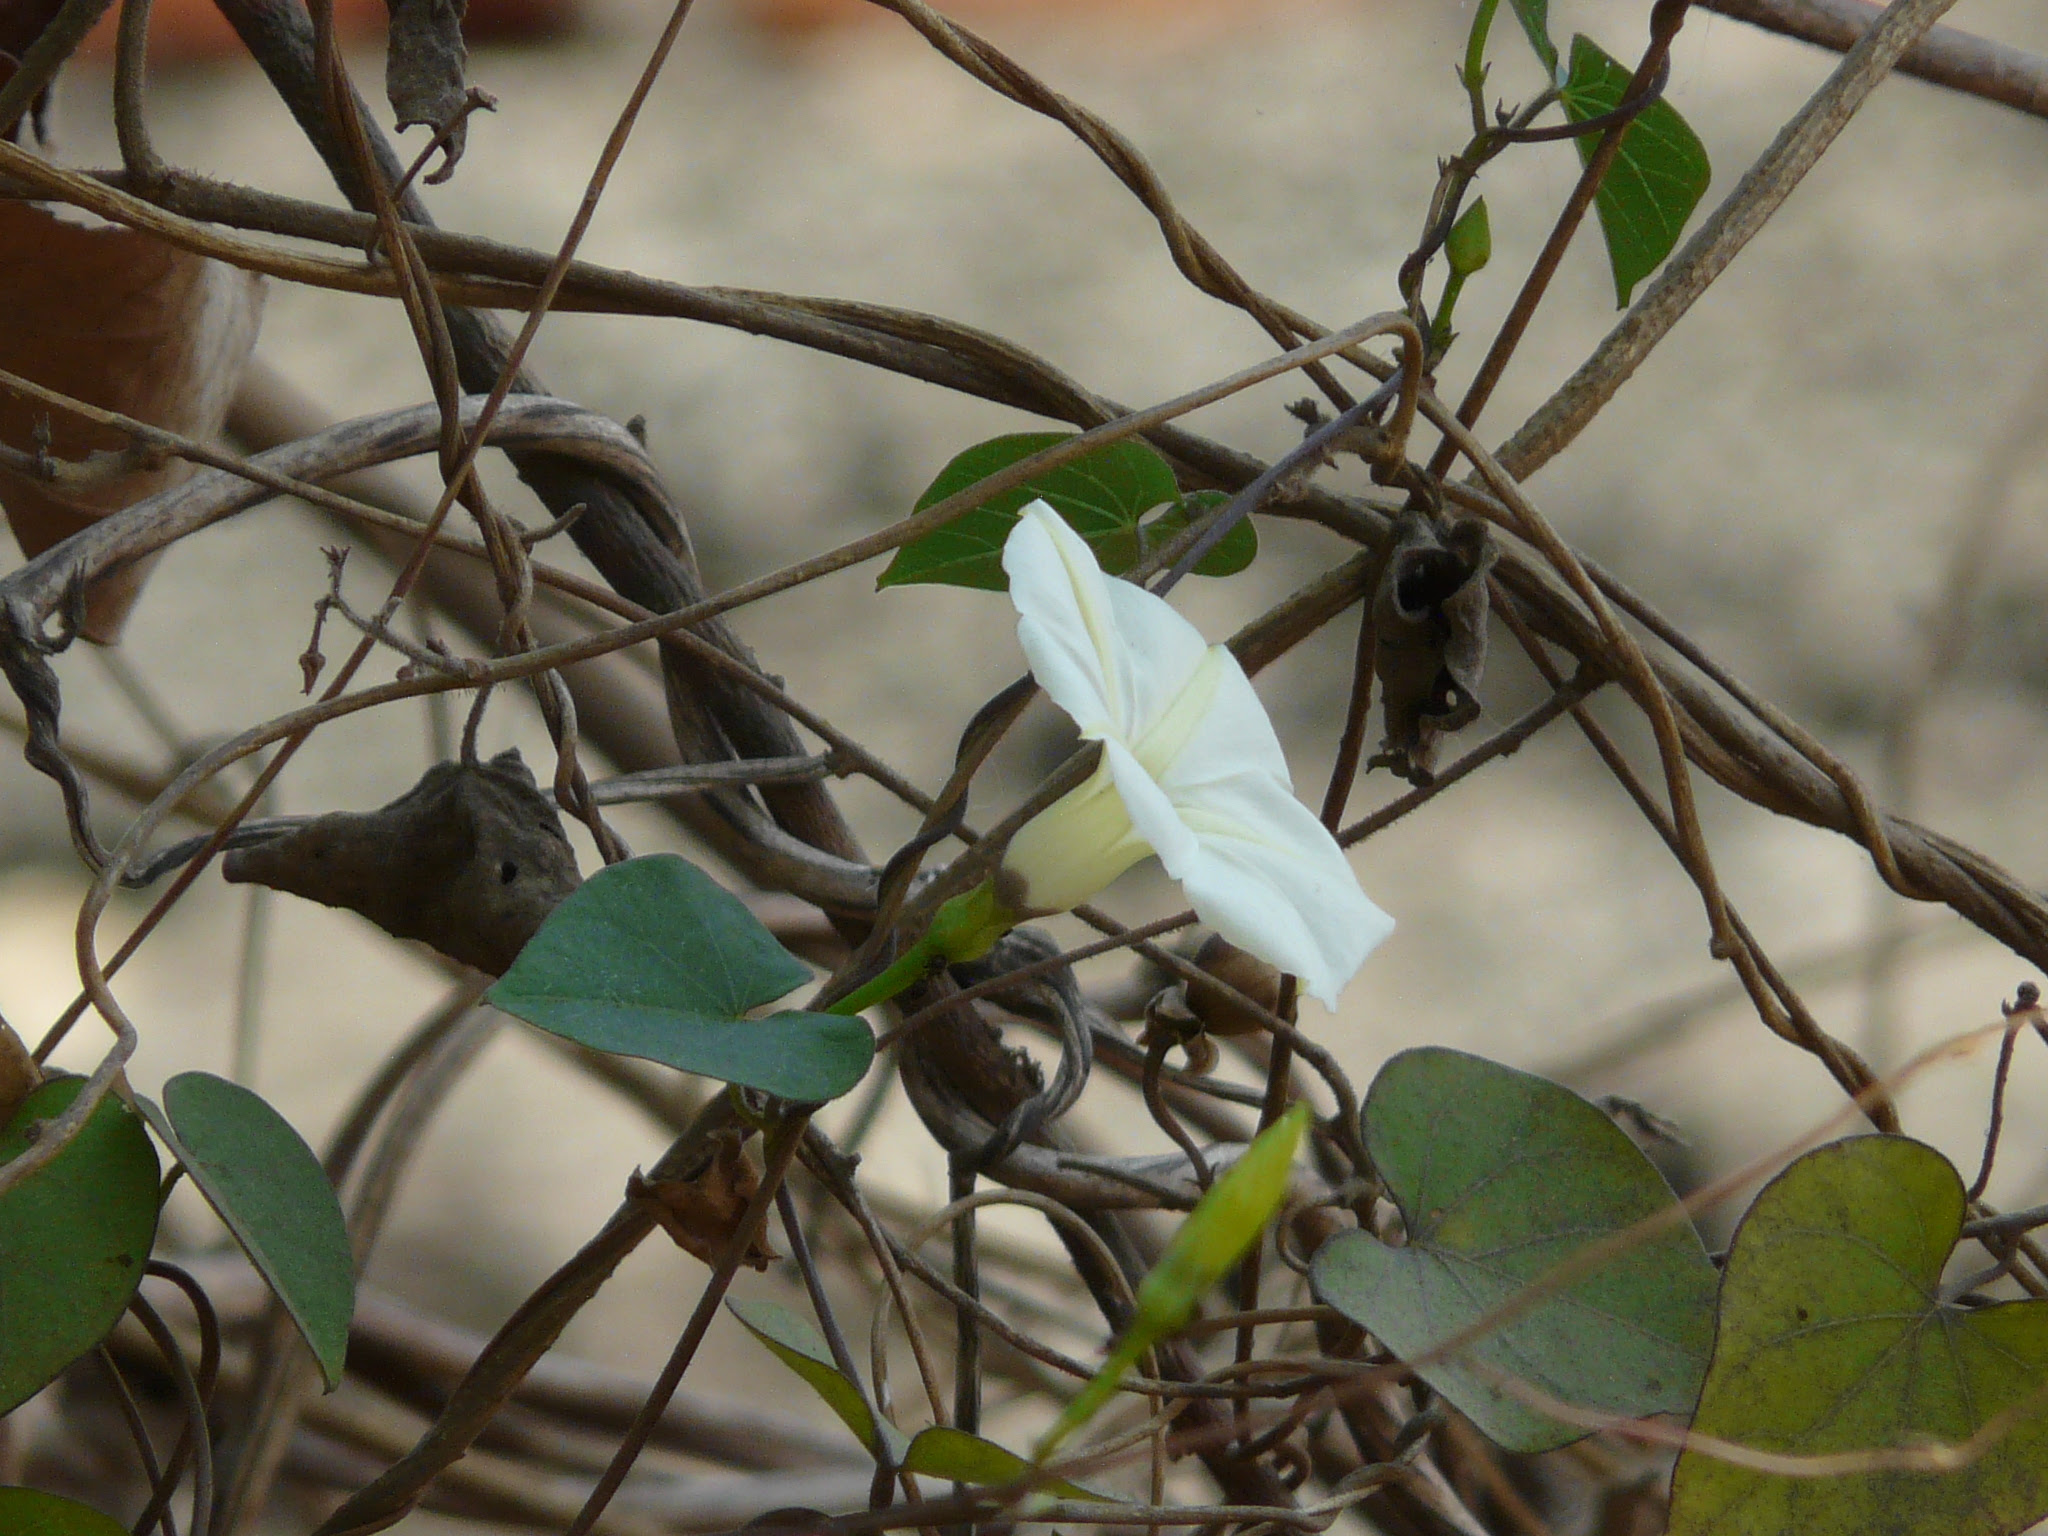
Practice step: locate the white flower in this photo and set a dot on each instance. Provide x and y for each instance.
(1190, 770)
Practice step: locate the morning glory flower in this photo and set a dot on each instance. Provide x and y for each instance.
(1191, 771)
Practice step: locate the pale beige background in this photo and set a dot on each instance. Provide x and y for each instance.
(1781, 478)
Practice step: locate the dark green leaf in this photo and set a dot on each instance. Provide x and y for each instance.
(1501, 1177)
(653, 958)
(1834, 1338)
(1236, 550)
(267, 1185)
(1101, 494)
(25, 1512)
(963, 1458)
(803, 1349)
(1658, 177)
(1534, 15)
(74, 1237)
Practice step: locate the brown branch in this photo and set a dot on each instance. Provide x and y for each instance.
(645, 557)
(1946, 56)
(1717, 242)
(528, 1334)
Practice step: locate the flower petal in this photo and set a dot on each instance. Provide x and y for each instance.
(1233, 735)
(1110, 654)
(1159, 652)
(1151, 811)
(1191, 756)
(1267, 875)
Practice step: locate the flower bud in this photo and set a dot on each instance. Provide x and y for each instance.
(1073, 848)
(968, 926)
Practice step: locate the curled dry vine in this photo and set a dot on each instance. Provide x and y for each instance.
(1337, 1414)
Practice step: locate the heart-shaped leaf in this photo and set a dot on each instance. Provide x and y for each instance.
(26, 1512)
(1834, 1337)
(1102, 495)
(954, 1454)
(74, 1237)
(803, 1349)
(653, 958)
(1233, 552)
(1659, 174)
(1500, 1177)
(267, 1185)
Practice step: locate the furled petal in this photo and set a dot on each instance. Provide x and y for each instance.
(1107, 652)
(1231, 733)
(1267, 875)
(1157, 820)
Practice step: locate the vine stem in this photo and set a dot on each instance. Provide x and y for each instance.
(779, 1150)
(1761, 192)
(1946, 56)
(1666, 17)
(38, 67)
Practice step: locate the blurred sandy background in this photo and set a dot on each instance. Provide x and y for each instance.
(1782, 479)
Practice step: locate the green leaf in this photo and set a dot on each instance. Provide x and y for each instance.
(1658, 177)
(26, 1512)
(74, 1237)
(1225, 1223)
(1500, 1177)
(653, 958)
(798, 1345)
(267, 1185)
(1236, 550)
(960, 1457)
(1834, 1338)
(1101, 494)
(1534, 15)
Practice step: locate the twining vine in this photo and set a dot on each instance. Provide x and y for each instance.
(1427, 1286)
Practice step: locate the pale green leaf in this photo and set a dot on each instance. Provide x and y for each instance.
(1835, 1337)
(1501, 1177)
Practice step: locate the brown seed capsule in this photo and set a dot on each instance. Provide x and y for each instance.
(1220, 1013)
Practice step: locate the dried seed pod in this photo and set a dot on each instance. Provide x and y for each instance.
(701, 1210)
(471, 860)
(1430, 616)
(1220, 1013)
(1168, 1018)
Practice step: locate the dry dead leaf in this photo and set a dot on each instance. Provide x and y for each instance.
(426, 72)
(702, 1211)
(123, 321)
